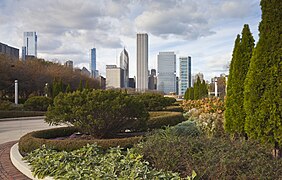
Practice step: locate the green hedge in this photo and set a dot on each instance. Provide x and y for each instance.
(173, 108)
(15, 114)
(159, 119)
(36, 139)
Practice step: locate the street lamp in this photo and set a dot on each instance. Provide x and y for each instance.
(215, 87)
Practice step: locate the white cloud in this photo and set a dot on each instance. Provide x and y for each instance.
(68, 29)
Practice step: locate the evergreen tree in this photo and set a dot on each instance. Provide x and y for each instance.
(197, 89)
(80, 87)
(87, 85)
(229, 113)
(68, 89)
(191, 93)
(186, 95)
(239, 72)
(203, 90)
(263, 84)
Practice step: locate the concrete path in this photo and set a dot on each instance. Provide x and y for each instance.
(12, 129)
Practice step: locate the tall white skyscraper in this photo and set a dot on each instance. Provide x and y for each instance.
(166, 72)
(124, 64)
(184, 74)
(142, 62)
(30, 44)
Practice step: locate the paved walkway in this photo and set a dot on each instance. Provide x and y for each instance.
(7, 170)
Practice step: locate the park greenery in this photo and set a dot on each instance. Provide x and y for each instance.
(201, 145)
(198, 91)
(33, 74)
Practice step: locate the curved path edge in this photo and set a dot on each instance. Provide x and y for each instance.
(22, 166)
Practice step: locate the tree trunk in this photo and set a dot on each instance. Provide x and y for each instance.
(277, 151)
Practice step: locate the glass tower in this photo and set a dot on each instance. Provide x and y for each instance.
(184, 74)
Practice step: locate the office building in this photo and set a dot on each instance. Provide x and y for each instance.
(93, 63)
(30, 45)
(102, 82)
(166, 72)
(9, 51)
(152, 81)
(69, 64)
(184, 74)
(124, 64)
(114, 77)
(84, 71)
(142, 62)
(131, 83)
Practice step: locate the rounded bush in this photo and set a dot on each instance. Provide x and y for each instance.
(37, 103)
(186, 128)
(36, 139)
(98, 112)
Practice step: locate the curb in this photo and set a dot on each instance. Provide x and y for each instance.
(23, 118)
(22, 166)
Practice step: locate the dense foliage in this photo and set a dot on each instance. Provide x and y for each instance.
(154, 102)
(160, 119)
(91, 162)
(97, 112)
(211, 158)
(198, 91)
(37, 103)
(235, 113)
(33, 74)
(263, 87)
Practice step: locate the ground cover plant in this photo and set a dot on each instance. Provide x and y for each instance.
(91, 162)
(210, 157)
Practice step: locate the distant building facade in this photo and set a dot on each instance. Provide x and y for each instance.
(124, 64)
(166, 72)
(185, 75)
(142, 62)
(114, 77)
(93, 70)
(29, 48)
(152, 81)
(131, 83)
(84, 71)
(9, 51)
(102, 82)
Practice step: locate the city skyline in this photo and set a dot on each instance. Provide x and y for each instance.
(206, 33)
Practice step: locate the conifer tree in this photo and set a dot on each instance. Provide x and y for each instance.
(68, 89)
(263, 84)
(229, 113)
(191, 93)
(197, 89)
(80, 88)
(240, 68)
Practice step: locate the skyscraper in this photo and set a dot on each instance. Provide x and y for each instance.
(124, 64)
(184, 74)
(142, 62)
(93, 62)
(30, 45)
(166, 72)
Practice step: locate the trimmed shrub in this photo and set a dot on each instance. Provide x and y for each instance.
(160, 119)
(37, 103)
(6, 105)
(154, 102)
(98, 112)
(186, 128)
(36, 139)
(173, 108)
(15, 114)
(211, 158)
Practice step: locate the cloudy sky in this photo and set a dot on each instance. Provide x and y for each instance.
(68, 29)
